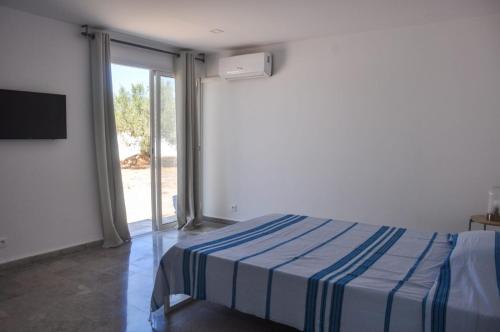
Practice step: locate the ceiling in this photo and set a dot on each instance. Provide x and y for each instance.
(187, 23)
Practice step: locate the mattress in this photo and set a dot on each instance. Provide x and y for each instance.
(318, 274)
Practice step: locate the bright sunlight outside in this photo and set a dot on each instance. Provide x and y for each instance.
(132, 105)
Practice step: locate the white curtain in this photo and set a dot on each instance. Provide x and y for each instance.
(112, 202)
(187, 97)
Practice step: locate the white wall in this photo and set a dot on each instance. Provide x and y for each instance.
(48, 191)
(396, 127)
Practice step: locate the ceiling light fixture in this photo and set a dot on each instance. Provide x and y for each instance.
(216, 30)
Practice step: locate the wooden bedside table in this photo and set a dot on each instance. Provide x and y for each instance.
(481, 219)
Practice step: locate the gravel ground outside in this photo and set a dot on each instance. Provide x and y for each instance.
(137, 190)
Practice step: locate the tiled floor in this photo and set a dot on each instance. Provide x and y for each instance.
(108, 290)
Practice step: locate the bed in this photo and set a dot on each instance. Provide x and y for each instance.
(326, 275)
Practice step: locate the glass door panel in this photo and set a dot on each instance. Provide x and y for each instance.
(132, 116)
(164, 149)
(168, 150)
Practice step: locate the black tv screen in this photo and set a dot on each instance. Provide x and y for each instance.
(32, 115)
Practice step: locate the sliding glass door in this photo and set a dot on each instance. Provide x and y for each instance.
(144, 103)
(163, 131)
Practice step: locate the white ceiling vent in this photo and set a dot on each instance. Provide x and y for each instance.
(246, 66)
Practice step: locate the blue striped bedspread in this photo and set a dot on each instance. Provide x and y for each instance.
(326, 275)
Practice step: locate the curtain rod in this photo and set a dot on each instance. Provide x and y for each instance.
(87, 34)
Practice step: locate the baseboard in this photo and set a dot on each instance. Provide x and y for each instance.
(80, 247)
(50, 254)
(220, 220)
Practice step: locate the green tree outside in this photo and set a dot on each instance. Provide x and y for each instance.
(167, 115)
(132, 114)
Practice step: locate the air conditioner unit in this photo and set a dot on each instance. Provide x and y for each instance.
(246, 66)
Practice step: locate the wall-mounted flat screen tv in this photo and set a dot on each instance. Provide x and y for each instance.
(32, 115)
